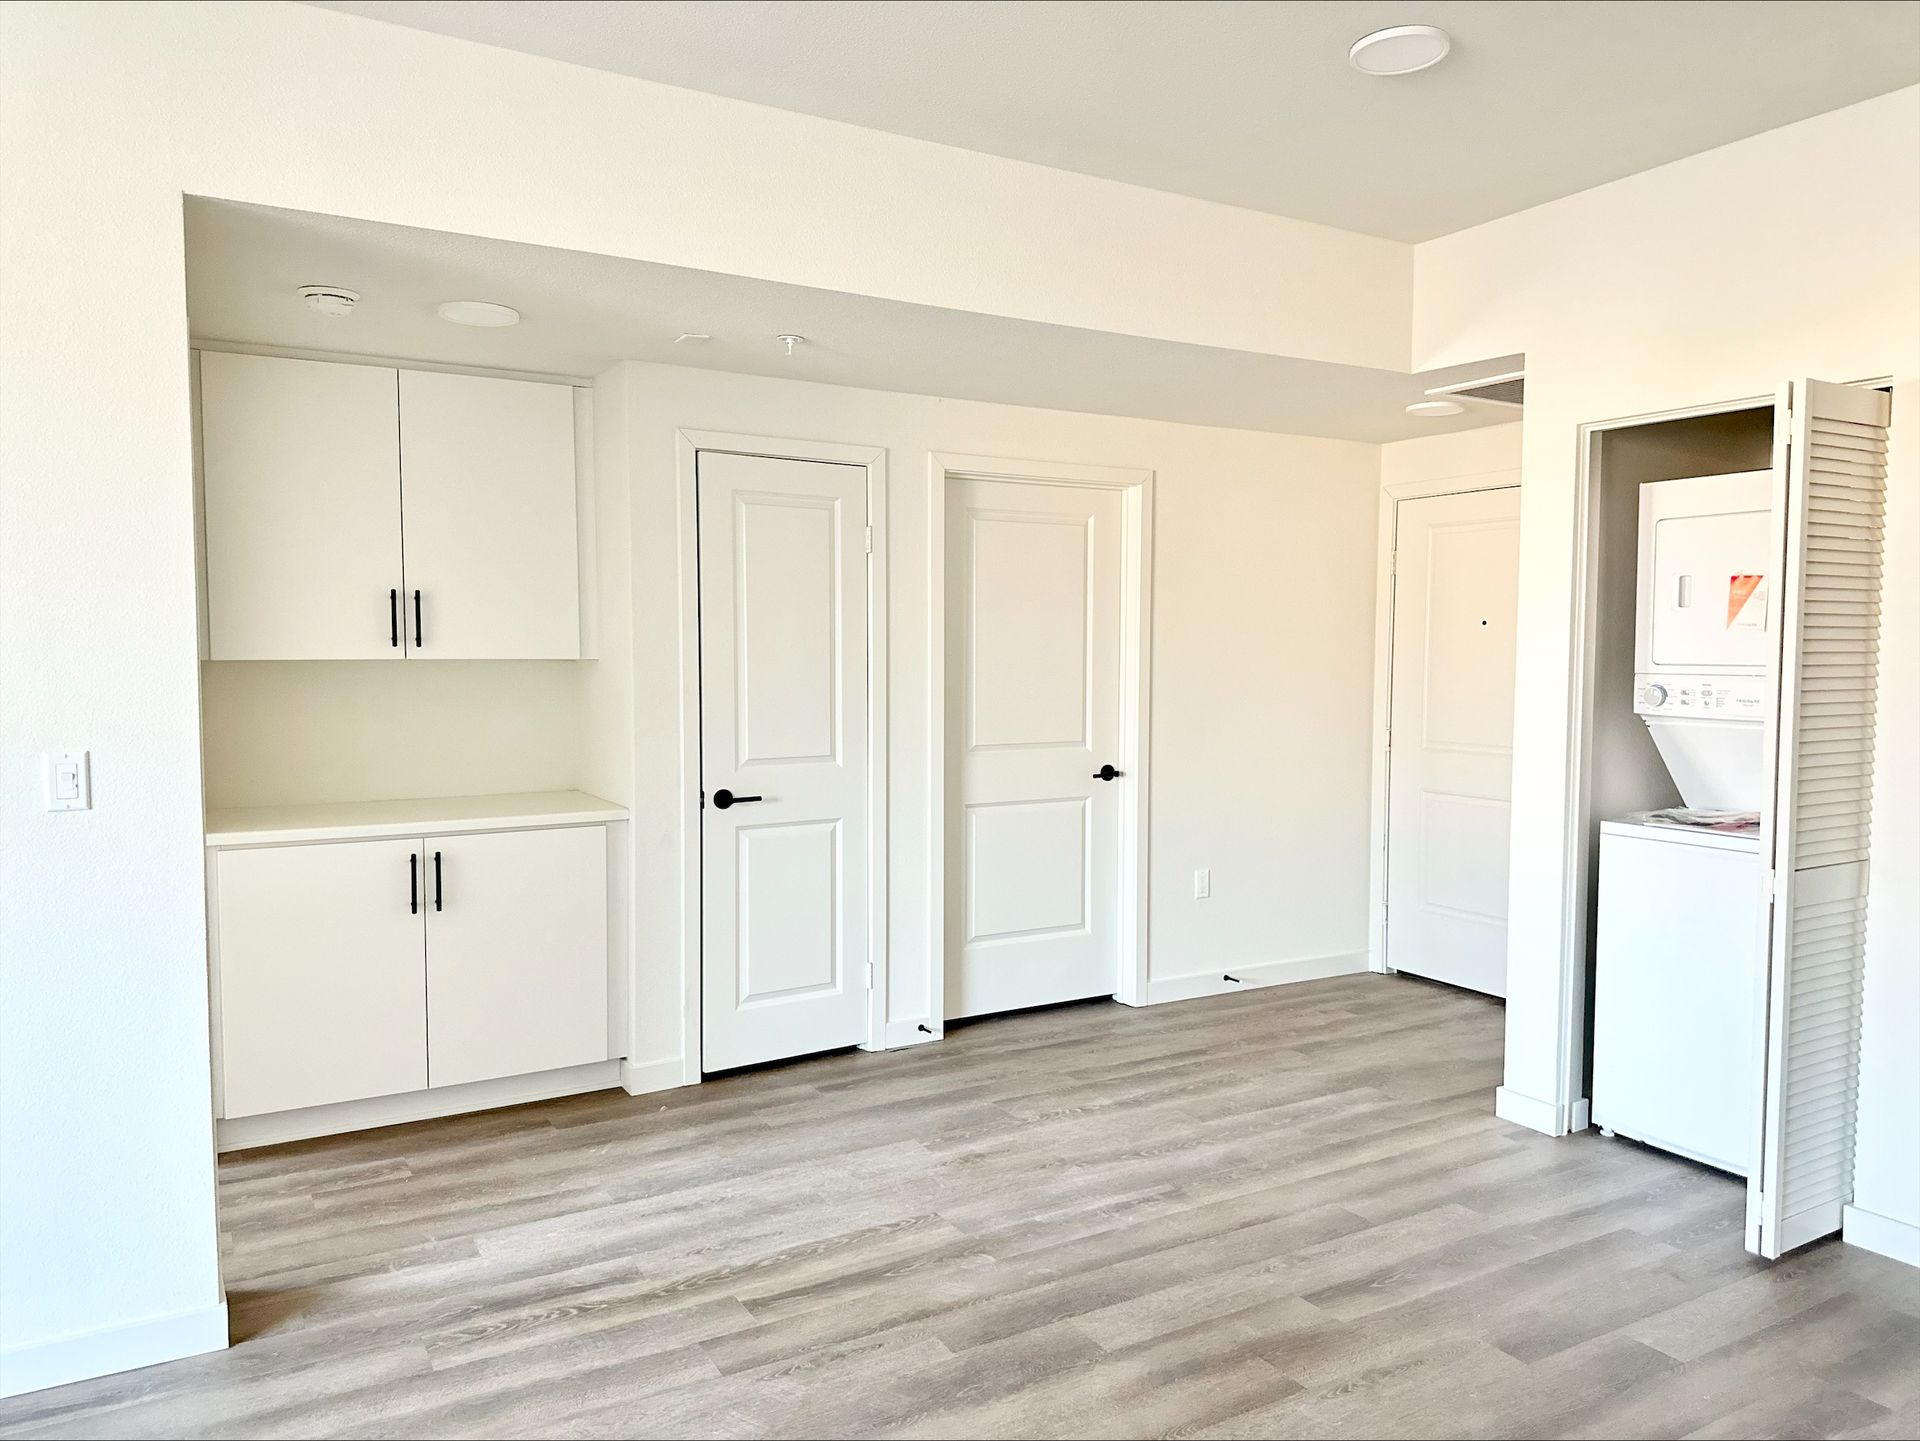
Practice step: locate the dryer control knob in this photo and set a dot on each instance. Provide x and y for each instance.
(1656, 695)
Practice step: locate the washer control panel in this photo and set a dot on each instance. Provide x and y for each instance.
(1709, 697)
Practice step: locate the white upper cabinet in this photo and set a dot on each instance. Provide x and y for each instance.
(487, 495)
(356, 512)
(302, 474)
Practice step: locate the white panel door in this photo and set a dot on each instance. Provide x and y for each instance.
(1450, 751)
(516, 952)
(1033, 714)
(322, 974)
(783, 733)
(1830, 465)
(492, 540)
(301, 464)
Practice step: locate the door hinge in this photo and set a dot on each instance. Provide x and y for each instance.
(869, 540)
(869, 975)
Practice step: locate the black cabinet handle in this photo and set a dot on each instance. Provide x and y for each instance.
(413, 884)
(393, 616)
(724, 798)
(1107, 773)
(417, 642)
(437, 887)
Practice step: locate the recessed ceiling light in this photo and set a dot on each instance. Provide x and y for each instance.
(1399, 50)
(692, 337)
(1434, 409)
(478, 312)
(335, 302)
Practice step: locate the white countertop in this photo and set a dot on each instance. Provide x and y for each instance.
(280, 825)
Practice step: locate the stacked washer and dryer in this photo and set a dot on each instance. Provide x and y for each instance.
(1681, 951)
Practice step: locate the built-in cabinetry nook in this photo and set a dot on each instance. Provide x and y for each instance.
(379, 949)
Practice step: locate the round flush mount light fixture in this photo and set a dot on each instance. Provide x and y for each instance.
(1434, 409)
(1399, 50)
(335, 302)
(483, 313)
(790, 341)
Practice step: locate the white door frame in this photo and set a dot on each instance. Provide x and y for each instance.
(1391, 496)
(687, 447)
(1136, 647)
(1570, 1104)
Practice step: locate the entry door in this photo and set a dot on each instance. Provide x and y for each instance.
(783, 740)
(1033, 696)
(1450, 746)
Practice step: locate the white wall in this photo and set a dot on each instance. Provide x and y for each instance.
(291, 732)
(107, 1185)
(1261, 666)
(1794, 253)
(1490, 450)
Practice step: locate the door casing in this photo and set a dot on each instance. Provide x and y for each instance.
(1136, 612)
(687, 447)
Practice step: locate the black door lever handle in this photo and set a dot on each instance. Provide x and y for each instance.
(724, 798)
(1107, 773)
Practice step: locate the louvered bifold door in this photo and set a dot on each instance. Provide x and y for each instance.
(1831, 470)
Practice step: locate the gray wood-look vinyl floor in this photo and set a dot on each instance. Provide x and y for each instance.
(1288, 1212)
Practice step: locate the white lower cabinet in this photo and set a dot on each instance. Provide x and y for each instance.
(516, 953)
(368, 968)
(323, 961)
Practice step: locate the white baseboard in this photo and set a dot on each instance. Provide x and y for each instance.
(243, 1132)
(1524, 1110)
(908, 1032)
(1162, 989)
(40, 1364)
(638, 1078)
(1871, 1231)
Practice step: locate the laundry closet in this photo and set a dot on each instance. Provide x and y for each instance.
(415, 904)
(1729, 661)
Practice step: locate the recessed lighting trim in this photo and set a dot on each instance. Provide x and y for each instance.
(1399, 50)
(335, 302)
(692, 337)
(1434, 409)
(483, 313)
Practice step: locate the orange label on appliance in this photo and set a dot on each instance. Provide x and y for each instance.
(1746, 606)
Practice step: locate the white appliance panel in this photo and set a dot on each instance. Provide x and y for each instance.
(1678, 979)
(1704, 574)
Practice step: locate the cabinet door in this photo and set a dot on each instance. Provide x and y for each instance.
(516, 952)
(301, 463)
(322, 974)
(492, 547)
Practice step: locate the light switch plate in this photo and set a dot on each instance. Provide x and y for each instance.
(1202, 883)
(69, 782)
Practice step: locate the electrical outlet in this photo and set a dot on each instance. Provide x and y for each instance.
(1202, 883)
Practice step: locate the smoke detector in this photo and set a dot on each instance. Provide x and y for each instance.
(333, 301)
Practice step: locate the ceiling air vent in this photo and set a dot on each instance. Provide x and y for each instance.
(1508, 390)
